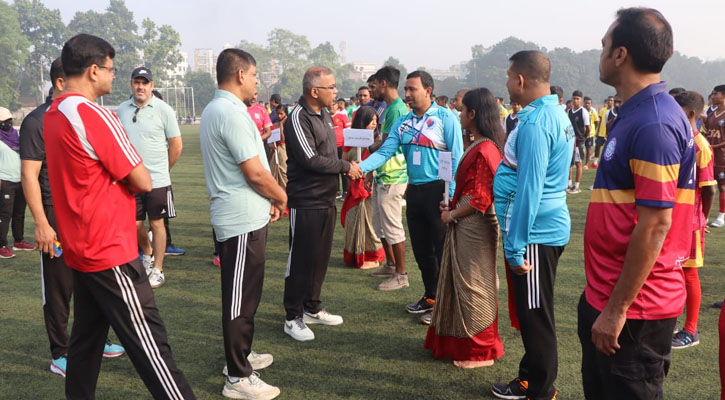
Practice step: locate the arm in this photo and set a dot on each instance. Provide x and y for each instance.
(644, 247)
(454, 142)
(708, 197)
(533, 158)
(387, 150)
(301, 145)
(44, 234)
(139, 180)
(175, 147)
(266, 132)
(264, 183)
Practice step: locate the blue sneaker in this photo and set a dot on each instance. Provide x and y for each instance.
(172, 250)
(58, 365)
(111, 350)
(684, 339)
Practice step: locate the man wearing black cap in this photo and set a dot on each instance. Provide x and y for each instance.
(151, 125)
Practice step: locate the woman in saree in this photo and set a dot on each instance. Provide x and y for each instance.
(278, 159)
(362, 249)
(464, 324)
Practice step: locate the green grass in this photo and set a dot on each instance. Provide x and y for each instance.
(378, 353)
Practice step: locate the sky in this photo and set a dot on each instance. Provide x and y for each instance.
(432, 34)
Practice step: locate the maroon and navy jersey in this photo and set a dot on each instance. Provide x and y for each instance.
(88, 153)
(715, 134)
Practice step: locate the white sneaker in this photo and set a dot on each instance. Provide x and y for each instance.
(717, 223)
(323, 318)
(298, 330)
(156, 279)
(256, 360)
(251, 387)
(148, 264)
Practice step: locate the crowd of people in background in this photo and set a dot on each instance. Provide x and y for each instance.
(92, 177)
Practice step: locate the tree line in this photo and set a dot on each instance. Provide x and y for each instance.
(32, 36)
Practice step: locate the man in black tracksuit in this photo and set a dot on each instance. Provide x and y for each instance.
(313, 167)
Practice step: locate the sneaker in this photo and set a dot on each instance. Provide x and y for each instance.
(573, 190)
(156, 279)
(323, 318)
(172, 250)
(684, 339)
(423, 305)
(58, 365)
(148, 263)
(256, 360)
(217, 261)
(717, 223)
(111, 350)
(5, 252)
(516, 389)
(594, 166)
(717, 304)
(298, 330)
(385, 270)
(397, 281)
(251, 387)
(425, 320)
(23, 246)
(591, 187)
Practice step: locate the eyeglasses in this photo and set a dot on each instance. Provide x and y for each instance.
(333, 87)
(112, 70)
(134, 115)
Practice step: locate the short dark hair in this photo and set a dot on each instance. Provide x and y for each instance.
(230, 61)
(389, 74)
(425, 78)
(587, 98)
(276, 98)
(372, 78)
(646, 35)
(83, 50)
(532, 64)
(691, 99)
(442, 98)
(719, 88)
(363, 88)
(557, 90)
(312, 75)
(576, 93)
(56, 70)
(341, 100)
(675, 91)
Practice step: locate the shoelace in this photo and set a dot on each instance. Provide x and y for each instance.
(254, 379)
(300, 323)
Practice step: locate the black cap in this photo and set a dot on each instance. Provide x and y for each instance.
(142, 72)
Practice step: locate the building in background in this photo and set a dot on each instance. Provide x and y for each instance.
(362, 70)
(205, 60)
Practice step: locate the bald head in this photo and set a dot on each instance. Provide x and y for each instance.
(312, 77)
(533, 65)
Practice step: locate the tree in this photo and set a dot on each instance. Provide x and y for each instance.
(160, 49)
(290, 50)
(204, 88)
(116, 26)
(394, 62)
(46, 34)
(266, 67)
(324, 54)
(14, 49)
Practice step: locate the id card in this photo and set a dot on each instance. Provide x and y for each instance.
(416, 158)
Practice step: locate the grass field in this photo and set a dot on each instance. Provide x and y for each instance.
(376, 354)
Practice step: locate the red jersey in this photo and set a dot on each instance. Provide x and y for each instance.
(704, 176)
(341, 121)
(88, 152)
(259, 115)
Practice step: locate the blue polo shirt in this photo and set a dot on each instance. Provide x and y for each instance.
(435, 131)
(228, 138)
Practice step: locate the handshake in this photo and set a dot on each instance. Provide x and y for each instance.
(355, 172)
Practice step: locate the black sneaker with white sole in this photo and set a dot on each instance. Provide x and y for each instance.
(516, 389)
(424, 305)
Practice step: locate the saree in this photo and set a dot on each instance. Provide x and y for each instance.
(278, 165)
(361, 244)
(464, 323)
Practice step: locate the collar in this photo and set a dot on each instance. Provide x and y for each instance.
(642, 95)
(149, 104)
(549, 99)
(396, 101)
(225, 94)
(304, 104)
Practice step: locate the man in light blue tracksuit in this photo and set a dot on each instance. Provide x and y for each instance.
(530, 200)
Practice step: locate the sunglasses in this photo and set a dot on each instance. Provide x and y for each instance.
(134, 115)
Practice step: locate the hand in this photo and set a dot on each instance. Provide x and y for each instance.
(369, 181)
(443, 206)
(44, 238)
(522, 269)
(606, 330)
(355, 172)
(446, 217)
(277, 210)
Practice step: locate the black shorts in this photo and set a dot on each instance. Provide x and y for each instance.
(589, 142)
(158, 203)
(601, 140)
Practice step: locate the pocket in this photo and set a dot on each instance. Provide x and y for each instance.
(638, 371)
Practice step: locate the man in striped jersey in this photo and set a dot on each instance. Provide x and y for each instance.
(152, 128)
(245, 198)
(93, 171)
